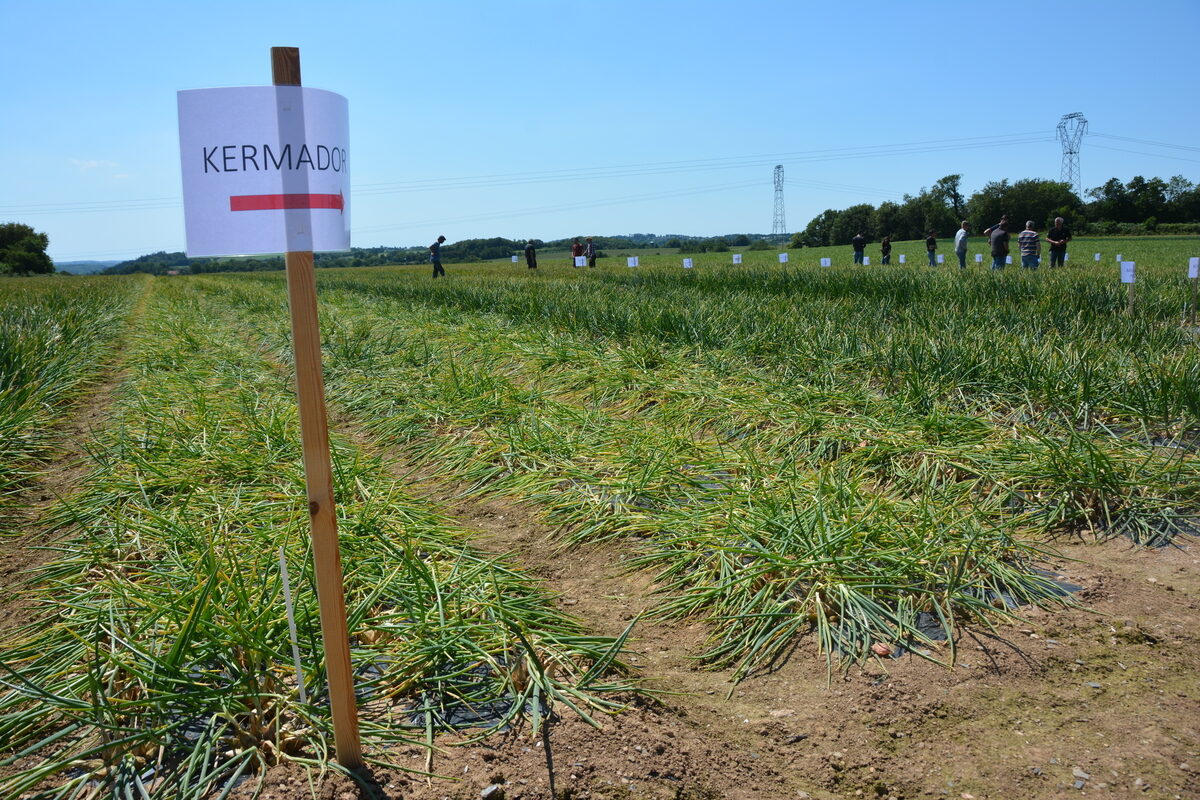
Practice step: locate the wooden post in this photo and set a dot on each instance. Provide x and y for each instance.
(318, 473)
(1192, 318)
(1129, 310)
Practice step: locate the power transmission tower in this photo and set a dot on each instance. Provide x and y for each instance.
(778, 225)
(1071, 129)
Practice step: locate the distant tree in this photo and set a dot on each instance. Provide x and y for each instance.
(819, 231)
(760, 244)
(797, 240)
(741, 240)
(888, 221)
(855, 219)
(946, 191)
(1030, 198)
(23, 250)
(673, 242)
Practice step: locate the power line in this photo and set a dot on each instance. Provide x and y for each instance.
(1193, 148)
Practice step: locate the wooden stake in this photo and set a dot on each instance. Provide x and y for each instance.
(1129, 310)
(318, 472)
(1192, 318)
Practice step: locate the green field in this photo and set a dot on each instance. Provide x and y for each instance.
(856, 456)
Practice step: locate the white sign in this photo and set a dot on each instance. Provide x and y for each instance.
(903, 259)
(514, 259)
(1194, 267)
(783, 258)
(866, 261)
(266, 169)
(1097, 256)
(941, 259)
(1066, 257)
(1128, 272)
(979, 258)
(687, 263)
(1119, 258)
(737, 258)
(580, 261)
(632, 261)
(826, 262)
(1008, 259)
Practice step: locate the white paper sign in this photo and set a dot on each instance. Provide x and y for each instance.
(266, 169)
(866, 261)
(979, 258)
(826, 262)
(514, 259)
(1066, 257)
(783, 258)
(580, 261)
(632, 261)
(1119, 258)
(941, 259)
(1008, 259)
(1194, 267)
(1128, 272)
(737, 258)
(687, 263)
(1097, 256)
(903, 259)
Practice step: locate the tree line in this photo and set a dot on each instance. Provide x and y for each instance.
(1141, 206)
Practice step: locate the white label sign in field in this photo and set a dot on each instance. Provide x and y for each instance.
(1194, 267)
(687, 263)
(632, 261)
(941, 259)
(514, 259)
(979, 258)
(1008, 259)
(826, 262)
(266, 169)
(1097, 256)
(903, 259)
(1120, 259)
(783, 258)
(866, 261)
(581, 261)
(737, 258)
(1128, 272)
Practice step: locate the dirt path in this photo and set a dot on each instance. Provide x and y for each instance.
(57, 478)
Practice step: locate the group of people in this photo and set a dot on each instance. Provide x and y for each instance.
(588, 251)
(1029, 242)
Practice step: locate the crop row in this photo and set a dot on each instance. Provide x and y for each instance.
(54, 339)
(773, 501)
(160, 664)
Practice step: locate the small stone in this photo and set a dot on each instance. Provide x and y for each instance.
(1079, 784)
(1078, 773)
(493, 792)
(1092, 684)
(782, 712)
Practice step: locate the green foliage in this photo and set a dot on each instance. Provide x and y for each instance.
(23, 250)
(1037, 200)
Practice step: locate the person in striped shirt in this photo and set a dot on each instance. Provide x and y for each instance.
(1031, 246)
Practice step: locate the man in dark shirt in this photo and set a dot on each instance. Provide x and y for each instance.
(998, 239)
(589, 251)
(931, 248)
(858, 243)
(435, 255)
(1057, 237)
(530, 255)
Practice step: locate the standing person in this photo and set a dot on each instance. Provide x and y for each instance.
(576, 250)
(435, 255)
(1031, 246)
(589, 250)
(960, 245)
(1057, 237)
(858, 243)
(885, 247)
(530, 255)
(998, 239)
(931, 248)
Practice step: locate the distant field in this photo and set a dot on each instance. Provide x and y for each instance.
(806, 465)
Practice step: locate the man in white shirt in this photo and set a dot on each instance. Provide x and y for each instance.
(960, 245)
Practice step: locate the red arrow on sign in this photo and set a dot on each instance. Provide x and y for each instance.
(274, 202)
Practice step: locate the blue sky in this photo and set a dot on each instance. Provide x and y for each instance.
(549, 119)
